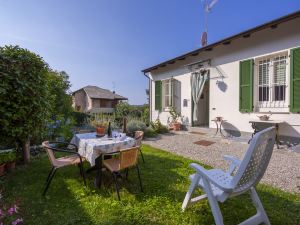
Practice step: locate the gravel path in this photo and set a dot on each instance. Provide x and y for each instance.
(283, 171)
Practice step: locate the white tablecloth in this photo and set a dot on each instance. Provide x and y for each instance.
(90, 146)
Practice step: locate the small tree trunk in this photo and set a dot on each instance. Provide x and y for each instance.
(26, 151)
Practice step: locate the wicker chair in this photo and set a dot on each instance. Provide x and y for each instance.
(73, 158)
(139, 135)
(127, 159)
(220, 185)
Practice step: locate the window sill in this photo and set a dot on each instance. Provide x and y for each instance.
(285, 110)
(167, 109)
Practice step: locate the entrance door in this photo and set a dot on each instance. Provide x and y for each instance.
(203, 107)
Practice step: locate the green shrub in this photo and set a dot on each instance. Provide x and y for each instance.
(123, 109)
(7, 156)
(25, 103)
(80, 118)
(61, 129)
(150, 133)
(146, 115)
(12, 156)
(175, 115)
(158, 127)
(134, 125)
(3, 157)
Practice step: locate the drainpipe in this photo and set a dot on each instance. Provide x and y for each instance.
(150, 98)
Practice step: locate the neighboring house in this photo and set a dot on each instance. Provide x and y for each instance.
(249, 74)
(92, 99)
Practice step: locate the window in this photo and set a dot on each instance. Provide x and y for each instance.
(271, 82)
(96, 103)
(166, 93)
(104, 103)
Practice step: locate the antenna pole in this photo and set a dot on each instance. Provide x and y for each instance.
(206, 16)
(114, 86)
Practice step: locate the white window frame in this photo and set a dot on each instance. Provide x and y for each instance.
(169, 95)
(271, 104)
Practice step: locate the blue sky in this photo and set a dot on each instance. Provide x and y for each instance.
(104, 41)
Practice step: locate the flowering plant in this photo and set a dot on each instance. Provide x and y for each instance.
(99, 120)
(10, 215)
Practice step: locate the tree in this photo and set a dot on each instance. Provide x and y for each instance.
(25, 100)
(61, 108)
(123, 109)
(59, 86)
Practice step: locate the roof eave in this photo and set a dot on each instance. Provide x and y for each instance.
(245, 34)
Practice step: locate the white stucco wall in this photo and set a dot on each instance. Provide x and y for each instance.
(185, 88)
(226, 58)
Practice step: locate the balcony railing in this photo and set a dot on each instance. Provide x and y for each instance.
(101, 110)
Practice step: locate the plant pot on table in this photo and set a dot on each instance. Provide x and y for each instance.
(100, 130)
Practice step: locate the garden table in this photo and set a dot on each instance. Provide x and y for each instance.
(94, 148)
(219, 123)
(275, 123)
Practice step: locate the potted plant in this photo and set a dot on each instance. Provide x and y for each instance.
(175, 116)
(11, 159)
(100, 123)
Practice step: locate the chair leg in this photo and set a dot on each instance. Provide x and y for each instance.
(139, 175)
(261, 215)
(126, 174)
(82, 174)
(49, 181)
(213, 202)
(259, 206)
(190, 192)
(51, 171)
(116, 185)
(142, 155)
(79, 167)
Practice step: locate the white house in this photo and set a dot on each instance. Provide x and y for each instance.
(249, 74)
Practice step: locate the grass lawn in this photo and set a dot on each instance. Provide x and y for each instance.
(165, 181)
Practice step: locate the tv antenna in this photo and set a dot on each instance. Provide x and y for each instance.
(114, 86)
(208, 5)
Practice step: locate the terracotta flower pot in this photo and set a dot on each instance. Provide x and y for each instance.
(177, 126)
(2, 169)
(100, 130)
(10, 165)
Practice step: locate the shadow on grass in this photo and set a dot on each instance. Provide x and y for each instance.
(281, 207)
(165, 182)
(59, 206)
(160, 176)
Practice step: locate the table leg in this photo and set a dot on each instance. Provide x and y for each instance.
(221, 129)
(277, 135)
(98, 179)
(217, 128)
(253, 125)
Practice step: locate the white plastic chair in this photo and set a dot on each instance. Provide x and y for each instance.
(219, 185)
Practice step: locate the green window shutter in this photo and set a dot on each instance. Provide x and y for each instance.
(158, 95)
(295, 81)
(246, 86)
